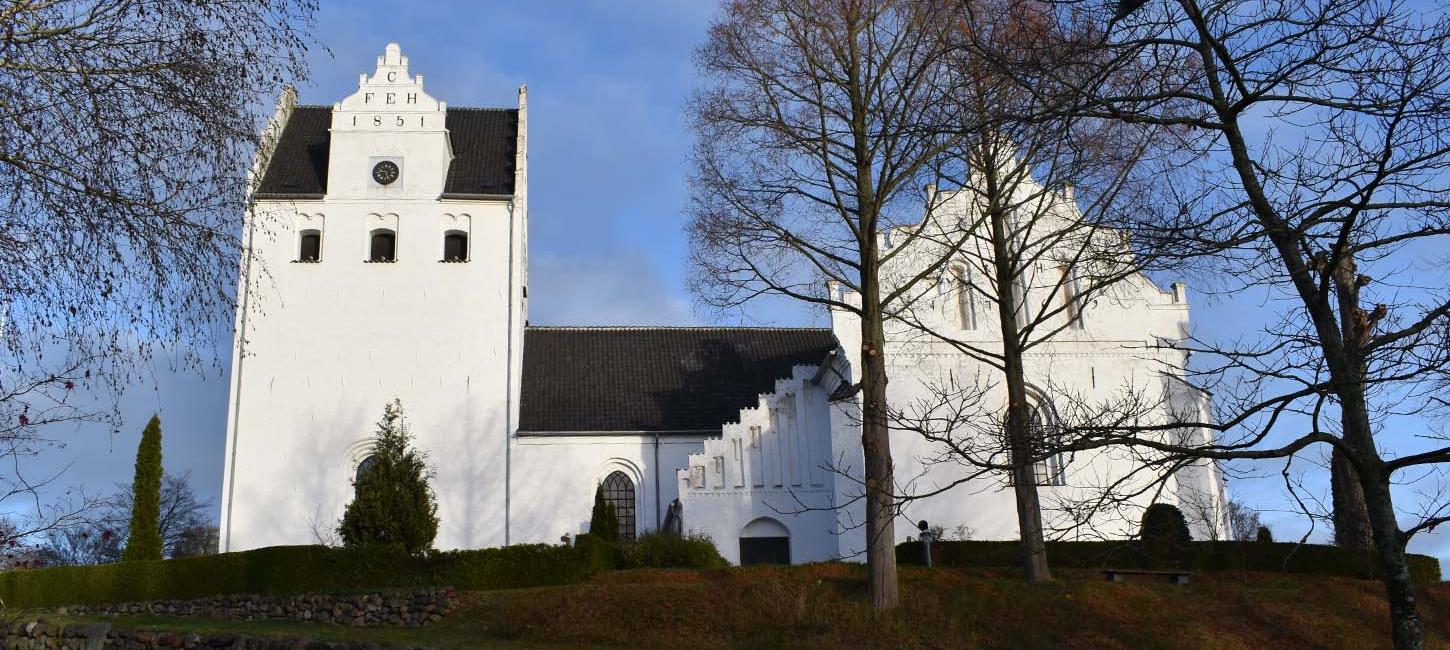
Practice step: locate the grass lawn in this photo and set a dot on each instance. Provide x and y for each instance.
(824, 606)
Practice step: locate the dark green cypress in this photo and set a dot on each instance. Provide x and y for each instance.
(603, 520)
(392, 504)
(144, 540)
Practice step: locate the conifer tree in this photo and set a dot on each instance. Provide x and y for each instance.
(144, 542)
(392, 504)
(603, 521)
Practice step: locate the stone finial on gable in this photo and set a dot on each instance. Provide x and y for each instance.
(388, 91)
(392, 67)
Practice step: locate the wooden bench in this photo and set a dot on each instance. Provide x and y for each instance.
(1173, 576)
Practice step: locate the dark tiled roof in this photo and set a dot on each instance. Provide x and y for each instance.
(484, 142)
(299, 164)
(582, 379)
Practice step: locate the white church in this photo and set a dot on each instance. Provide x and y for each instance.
(386, 256)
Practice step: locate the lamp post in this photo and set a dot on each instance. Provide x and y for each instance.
(925, 540)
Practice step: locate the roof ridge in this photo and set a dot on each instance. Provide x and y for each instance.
(502, 109)
(451, 108)
(678, 327)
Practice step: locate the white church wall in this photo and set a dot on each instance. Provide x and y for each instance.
(770, 468)
(554, 478)
(329, 343)
(323, 346)
(1114, 345)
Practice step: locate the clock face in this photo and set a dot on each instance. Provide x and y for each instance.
(385, 172)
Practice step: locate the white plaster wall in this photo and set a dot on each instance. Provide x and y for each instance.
(323, 346)
(775, 463)
(554, 478)
(724, 514)
(1117, 346)
(328, 344)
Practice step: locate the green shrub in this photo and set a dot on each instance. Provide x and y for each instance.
(659, 550)
(296, 569)
(392, 503)
(1264, 535)
(601, 554)
(1164, 536)
(603, 520)
(1163, 524)
(1199, 556)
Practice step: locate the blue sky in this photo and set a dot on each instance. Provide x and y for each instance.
(608, 82)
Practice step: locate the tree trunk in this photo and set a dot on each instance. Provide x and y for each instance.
(1340, 339)
(1018, 422)
(1389, 546)
(876, 446)
(1351, 516)
(1359, 447)
(1024, 488)
(1389, 542)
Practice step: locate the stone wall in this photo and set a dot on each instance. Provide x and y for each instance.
(39, 634)
(395, 608)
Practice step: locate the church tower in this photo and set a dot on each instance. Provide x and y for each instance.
(384, 256)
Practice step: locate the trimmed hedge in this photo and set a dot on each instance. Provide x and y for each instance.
(295, 569)
(602, 554)
(1198, 556)
(659, 550)
(651, 551)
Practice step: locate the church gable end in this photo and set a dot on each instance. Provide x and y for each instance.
(586, 380)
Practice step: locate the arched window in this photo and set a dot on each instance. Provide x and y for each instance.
(966, 302)
(1071, 302)
(383, 246)
(311, 246)
(455, 246)
(1045, 436)
(364, 466)
(619, 492)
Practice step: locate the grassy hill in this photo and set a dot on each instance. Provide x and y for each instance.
(823, 606)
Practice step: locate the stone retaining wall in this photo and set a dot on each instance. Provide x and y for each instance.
(395, 608)
(38, 634)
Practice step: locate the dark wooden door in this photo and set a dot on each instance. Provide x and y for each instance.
(764, 550)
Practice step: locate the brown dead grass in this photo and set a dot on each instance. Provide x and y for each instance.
(822, 606)
(825, 606)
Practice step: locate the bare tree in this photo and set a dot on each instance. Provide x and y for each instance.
(126, 130)
(78, 546)
(1031, 239)
(812, 129)
(198, 539)
(97, 534)
(1244, 522)
(1316, 175)
(179, 515)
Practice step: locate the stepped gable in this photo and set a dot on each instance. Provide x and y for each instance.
(484, 143)
(581, 380)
